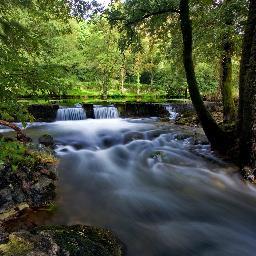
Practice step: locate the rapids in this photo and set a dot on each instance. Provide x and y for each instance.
(161, 194)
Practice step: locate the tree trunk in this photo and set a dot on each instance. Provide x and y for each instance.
(247, 114)
(245, 57)
(123, 72)
(105, 84)
(151, 73)
(138, 83)
(122, 78)
(186, 93)
(214, 133)
(229, 111)
(151, 78)
(20, 135)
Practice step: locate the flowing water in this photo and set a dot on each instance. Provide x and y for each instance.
(150, 185)
(75, 113)
(173, 113)
(105, 112)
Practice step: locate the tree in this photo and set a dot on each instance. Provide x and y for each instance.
(247, 88)
(220, 43)
(219, 139)
(213, 132)
(24, 67)
(101, 55)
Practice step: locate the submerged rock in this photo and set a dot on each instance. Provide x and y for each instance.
(62, 241)
(46, 140)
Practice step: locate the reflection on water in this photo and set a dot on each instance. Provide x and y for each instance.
(153, 190)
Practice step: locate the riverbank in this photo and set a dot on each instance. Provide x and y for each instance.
(27, 179)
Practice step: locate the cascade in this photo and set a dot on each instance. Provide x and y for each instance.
(105, 112)
(75, 113)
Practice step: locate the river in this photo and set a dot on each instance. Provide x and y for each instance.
(161, 194)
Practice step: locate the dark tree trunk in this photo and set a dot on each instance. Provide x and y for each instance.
(186, 93)
(214, 133)
(229, 111)
(247, 114)
(245, 58)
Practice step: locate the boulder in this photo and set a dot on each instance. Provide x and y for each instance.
(27, 187)
(46, 140)
(62, 241)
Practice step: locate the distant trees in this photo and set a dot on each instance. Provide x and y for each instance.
(57, 48)
(25, 67)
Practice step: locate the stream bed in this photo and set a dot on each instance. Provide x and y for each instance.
(152, 186)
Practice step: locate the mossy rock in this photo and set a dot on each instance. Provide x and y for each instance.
(76, 240)
(16, 246)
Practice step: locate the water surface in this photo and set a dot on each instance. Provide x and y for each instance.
(152, 187)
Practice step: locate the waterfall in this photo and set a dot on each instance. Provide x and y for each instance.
(172, 112)
(76, 113)
(105, 112)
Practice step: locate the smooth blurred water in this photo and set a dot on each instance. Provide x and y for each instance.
(105, 112)
(155, 191)
(75, 113)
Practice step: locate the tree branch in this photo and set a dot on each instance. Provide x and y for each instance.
(151, 14)
(131, 22)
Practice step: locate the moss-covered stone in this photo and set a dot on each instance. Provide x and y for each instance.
(31, 184)
(16, 246)
(61, 241)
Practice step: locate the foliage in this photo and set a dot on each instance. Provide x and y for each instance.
(11, 153)
(58, 48)
(16, 155)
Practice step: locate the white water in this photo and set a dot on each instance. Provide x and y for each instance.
(154, 191)
(76, 113)
(108, 112)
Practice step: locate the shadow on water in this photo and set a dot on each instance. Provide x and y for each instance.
(152, 189)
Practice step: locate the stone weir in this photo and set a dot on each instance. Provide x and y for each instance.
(51, 113)
(128, 110)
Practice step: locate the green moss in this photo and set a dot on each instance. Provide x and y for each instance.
(52, 208)
(16, 246)
(86, 241)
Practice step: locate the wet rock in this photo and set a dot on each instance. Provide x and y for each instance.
(63, 241)
(89, 110)
(142, 110)
(3, 237)
(128, 137)
(46, 140)
(32, 186)
(249, 174)
(12, 210)
(164, 119)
